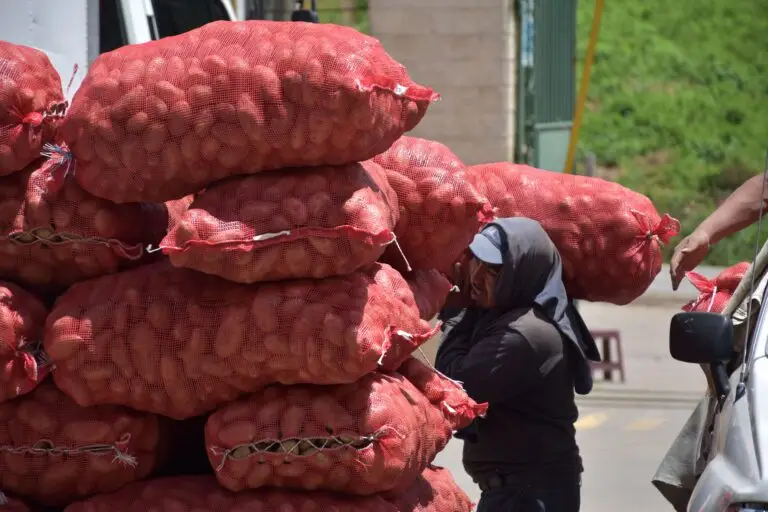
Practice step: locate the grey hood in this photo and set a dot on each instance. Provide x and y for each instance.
(531, 275)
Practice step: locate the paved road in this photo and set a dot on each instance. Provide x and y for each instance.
(622, 444)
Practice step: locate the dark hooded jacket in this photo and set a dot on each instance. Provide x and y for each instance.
(525, 357)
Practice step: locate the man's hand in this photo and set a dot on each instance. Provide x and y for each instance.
(689, 253)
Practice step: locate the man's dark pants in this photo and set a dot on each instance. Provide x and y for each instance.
(558, 497)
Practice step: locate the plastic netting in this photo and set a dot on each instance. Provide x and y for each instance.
(440, 210)
(180, 343)
(159, 120)
(31, 105)
(22, 362)
(609, 236)
(203, 494)
(300, 223)
(53, 233)
(715, 293)
(10, 504)
(430, 289)
(54, 451)
(374, 435)
(176, 209)
(434, 491)
(444, 393)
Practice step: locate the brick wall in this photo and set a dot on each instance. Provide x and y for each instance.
(465, 50)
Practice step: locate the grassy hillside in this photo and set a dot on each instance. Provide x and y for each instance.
(678, 103)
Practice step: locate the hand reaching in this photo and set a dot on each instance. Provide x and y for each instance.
(689, 253)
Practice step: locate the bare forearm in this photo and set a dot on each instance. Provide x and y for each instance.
(739, 210)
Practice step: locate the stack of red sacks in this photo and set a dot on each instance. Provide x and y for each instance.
(267, 317)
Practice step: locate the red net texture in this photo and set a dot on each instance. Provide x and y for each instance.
(176, 209)
(159, 120)
(53, 233)
(54, 451)
(430, 289)
(715, 293)
(609, 237)
(180, 343)
(440, 210)
(203, 494)
(444, 393)
(31, 104)
(288, 224)
(434, 491)
(22, 363)
(374, 435)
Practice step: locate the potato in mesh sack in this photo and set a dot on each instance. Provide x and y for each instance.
(180, 343)
(715, 293)
(377, 434)
(54, 451)
(609, 237)
(159, 120)
(289, 224)
(22, 323)
(203, 494)
(443, 392)
(440, 209)
(53, 233)
(11, 504)
(434, 491)
(31, 105)
(430, 289)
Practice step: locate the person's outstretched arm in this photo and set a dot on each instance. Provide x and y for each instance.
(739, 210)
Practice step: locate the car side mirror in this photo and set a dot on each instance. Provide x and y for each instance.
(704, 338)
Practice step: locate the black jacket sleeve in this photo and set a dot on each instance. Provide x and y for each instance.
(494, 368)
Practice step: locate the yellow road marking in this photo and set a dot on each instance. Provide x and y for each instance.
(591, 421)
(645, 424)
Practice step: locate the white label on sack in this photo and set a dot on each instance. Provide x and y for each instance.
(268, 236)
(400, 89)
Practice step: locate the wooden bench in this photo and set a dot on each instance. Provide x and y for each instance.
(608, 365)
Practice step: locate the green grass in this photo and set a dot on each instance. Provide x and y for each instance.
(678, 103)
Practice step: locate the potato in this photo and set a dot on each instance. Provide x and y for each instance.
(303, 223)
(60, 234)
(440, 209)
(303, 111)
(22, 318)
(435, 489)
(31, 104)
(46, 420)
(202, 494)
(609, 237)
(178, 343)
(324, 442)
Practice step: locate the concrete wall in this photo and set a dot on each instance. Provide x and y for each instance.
(466, 51)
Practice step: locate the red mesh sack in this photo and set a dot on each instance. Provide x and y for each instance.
(430, 289)
(203, 494)
(715, 293)
(609, 237)
(176, 209)
(444, 393)
(54, 451)
(9, 504)
(374, 435)
(53, 233)
(180, 343)
(434, 491)
(312, 222)
(22, 320)
(31, 103)
(440, 210)
(159, 120)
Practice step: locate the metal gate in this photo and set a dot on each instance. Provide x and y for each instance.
(546, 81)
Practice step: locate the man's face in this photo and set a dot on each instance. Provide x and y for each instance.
(482, 281)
